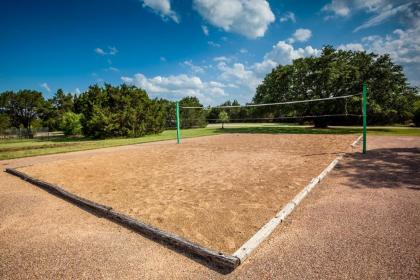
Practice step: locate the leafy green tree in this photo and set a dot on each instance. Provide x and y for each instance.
(22, 107)
(4, 121)
(119, 111)
(71, 123)
(223, 118)
(192, 117)
(52, 110)
(338, 73)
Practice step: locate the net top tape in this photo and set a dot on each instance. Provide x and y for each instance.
(272, 104)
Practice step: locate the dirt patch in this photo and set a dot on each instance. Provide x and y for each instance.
(216, 191)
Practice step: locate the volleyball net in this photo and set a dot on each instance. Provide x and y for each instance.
(319, 112)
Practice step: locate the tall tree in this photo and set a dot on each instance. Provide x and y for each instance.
(338, 73)
(22, 107)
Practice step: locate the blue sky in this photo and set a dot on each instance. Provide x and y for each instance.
(213, 49)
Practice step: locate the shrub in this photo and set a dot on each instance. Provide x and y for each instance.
(71, 123)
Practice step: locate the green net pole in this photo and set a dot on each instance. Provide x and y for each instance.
(364, 106)
(178, 129)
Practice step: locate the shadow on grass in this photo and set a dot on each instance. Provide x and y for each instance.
(383, 168)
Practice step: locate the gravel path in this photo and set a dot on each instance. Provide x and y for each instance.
(362, 222)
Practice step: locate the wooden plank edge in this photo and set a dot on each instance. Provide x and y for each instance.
(249, 246)
(356, 141)
(218, 259)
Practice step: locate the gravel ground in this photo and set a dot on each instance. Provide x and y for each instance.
(363, 221)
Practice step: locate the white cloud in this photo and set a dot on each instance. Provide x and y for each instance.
(177, 86)
(288, 16)
(111, 51)
(205, 30)
(77, 91)
(248, 18)
(238, 74)
(264, 67)
(284, 53)
(301, 35)
(162, 8)
(221, 58)
(337, 7)
(214, 44)
(112, 69)
(100, 51)
(385, 14)
(45, 86)
(194, 68)
(402, 45)
(351, 47)
(381, 10)
(243, 50)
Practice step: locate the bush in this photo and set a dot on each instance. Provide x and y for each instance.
(71, 123)
(119, 111)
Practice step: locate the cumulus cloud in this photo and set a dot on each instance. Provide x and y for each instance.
(238, 74)
(284, 53)
(351, 47)
(177, 86)
(301, 35)
(162, 8)
(45, 86)
(402, 45)
(288, 16)
(337, 7)
(248, 18)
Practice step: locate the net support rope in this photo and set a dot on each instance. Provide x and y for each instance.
(272, 104)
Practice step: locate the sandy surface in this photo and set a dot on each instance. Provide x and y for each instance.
(361, 223)
(216, 191)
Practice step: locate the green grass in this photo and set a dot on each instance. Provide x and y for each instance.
(32, 147)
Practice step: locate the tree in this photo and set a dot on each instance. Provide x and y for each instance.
(4, 121)
(22, 107)
(338, 73)
(71, 123)
(52, 110)
(119, 111)
(192, 117)
(223, 118)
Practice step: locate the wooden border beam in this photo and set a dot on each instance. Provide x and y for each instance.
(214, 258)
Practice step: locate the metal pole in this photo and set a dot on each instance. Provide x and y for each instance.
(364, 106)
(178, 129)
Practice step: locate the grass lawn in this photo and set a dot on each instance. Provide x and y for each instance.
(32, 147)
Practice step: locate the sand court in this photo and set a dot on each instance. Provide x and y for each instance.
(215, 191)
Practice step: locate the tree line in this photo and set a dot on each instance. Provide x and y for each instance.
(100, 112)
(128, 111)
